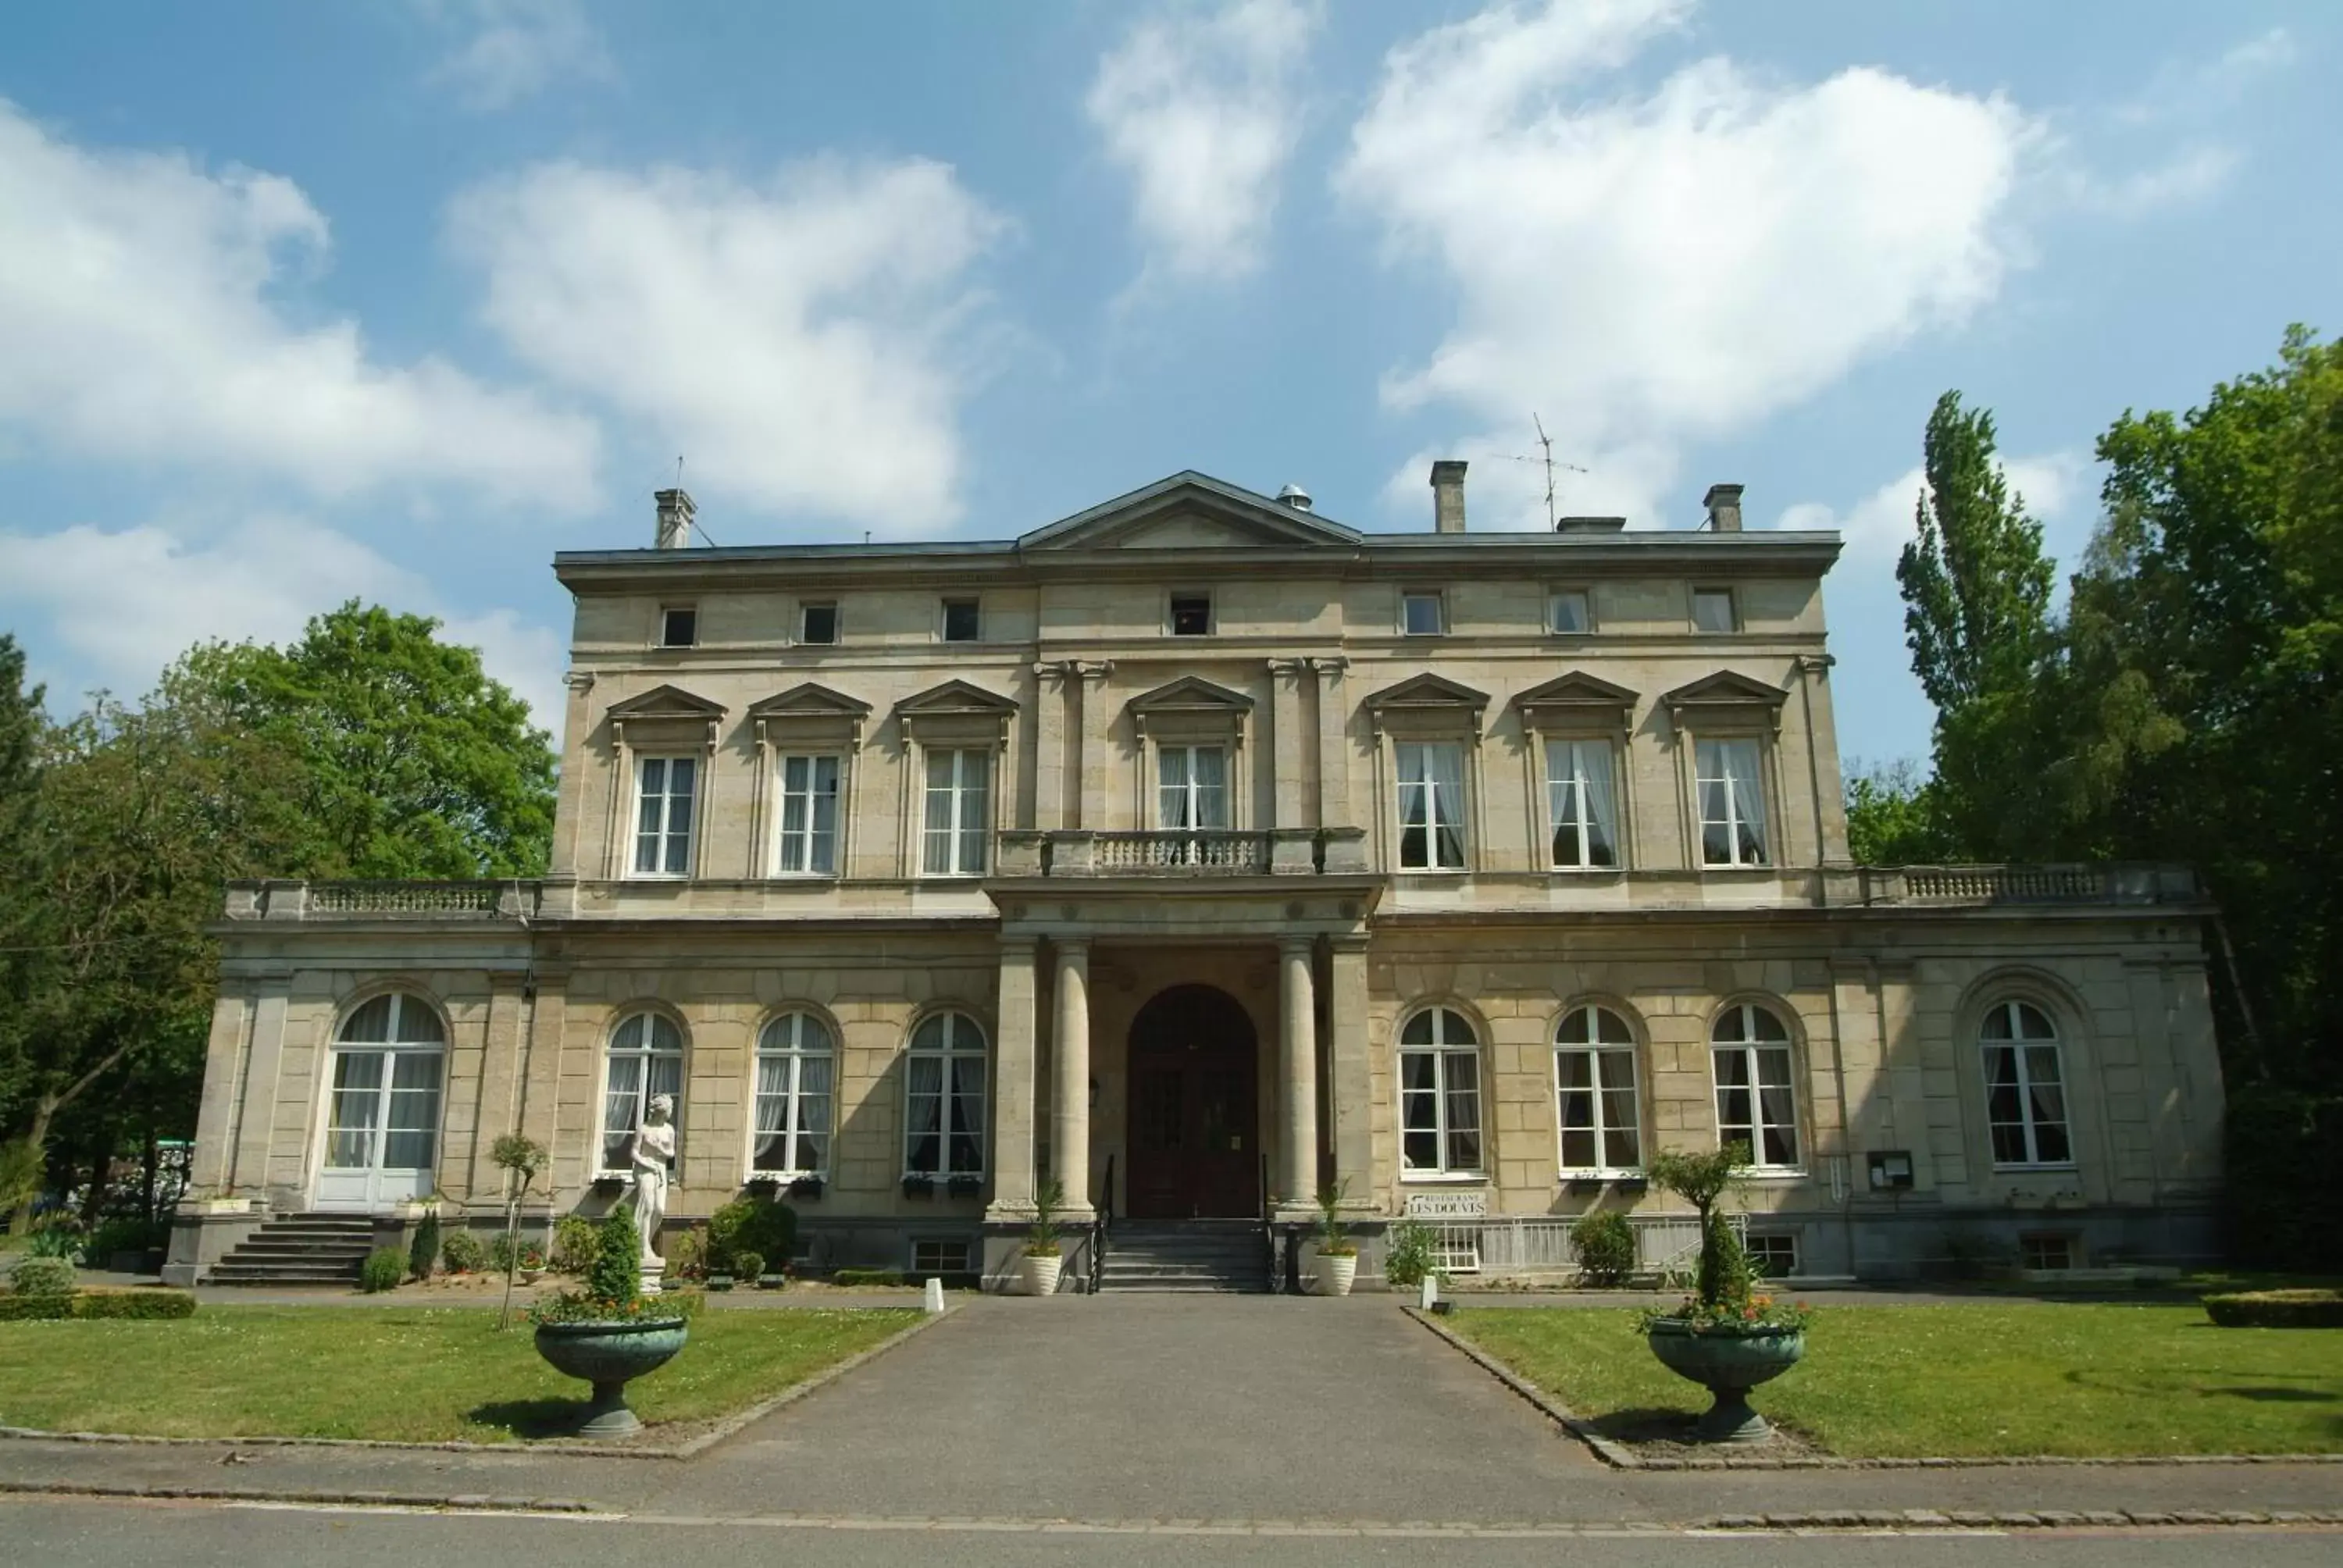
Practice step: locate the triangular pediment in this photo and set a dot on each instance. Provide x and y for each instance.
(810, 700)
(955, 697)
(1191, 511)
(1192, 693)
(1726, 687)
(1428, 691)
(666, 702)
(1576, 693)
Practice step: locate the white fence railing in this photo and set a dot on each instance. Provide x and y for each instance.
(1495, 1244)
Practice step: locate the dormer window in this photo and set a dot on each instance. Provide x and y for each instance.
(679, 626)
(1567, 613)
(1192, 615)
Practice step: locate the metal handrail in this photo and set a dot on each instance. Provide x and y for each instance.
(1100, 1228)
(1269, 1229)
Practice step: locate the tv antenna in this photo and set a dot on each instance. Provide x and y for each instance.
(1545, 444)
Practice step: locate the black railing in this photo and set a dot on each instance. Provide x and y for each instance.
(1100, 1228)
(1268, 1229)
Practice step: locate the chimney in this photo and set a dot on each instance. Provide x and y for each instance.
(675, 510)
(1448, 495)
(1294, 495)
(1724, 503)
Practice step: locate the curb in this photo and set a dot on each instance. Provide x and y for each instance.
(460, 1502)
(689, 1448)
(1619, 1456)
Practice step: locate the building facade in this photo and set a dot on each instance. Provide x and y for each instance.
(1200, 853)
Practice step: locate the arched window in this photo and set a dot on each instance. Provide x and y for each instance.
(645, 1060)
(382, 1123)
(1594, 1086)
(1756, 1093)
(794, 1062)
(2025, 1088)
(1440, 1095)
(944, 1098)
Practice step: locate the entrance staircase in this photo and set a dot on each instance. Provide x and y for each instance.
(298, 1250)
(1188, 1256)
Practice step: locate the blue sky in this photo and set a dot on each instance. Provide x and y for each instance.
(397, 298)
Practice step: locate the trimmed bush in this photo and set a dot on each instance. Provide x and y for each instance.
(575, 1243)
(757, 1224)
(749, 1266)
(1606, 1247)
(617, 1276)
(42, 1276)
(141, 1304)
(868, 1277)
(2277, 1310)
(385, 1269)
(424, 1256)
(505, 1251)
(464, 1252)
(18, 1308)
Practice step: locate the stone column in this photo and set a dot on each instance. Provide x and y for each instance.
(1334, 744)
(216, 1120)
(1013, 1086)
(1298, 1073)
(1069, 1102)
(1351, 1073)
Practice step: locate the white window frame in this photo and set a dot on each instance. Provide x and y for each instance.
(1438, 601)
(2021, 1047)
(837, 623)
(1749, 1047)
(805, 834)
(667, 610)
(784, 1039)
(404, 1039)
(1435, 805)
(1597, 1094)
(1191, 794)
(1762, 1240)
(1585, 597)
(663, 837)
(1443, 1051)
(1582, 823)
(1739, 814)
(1732, 609)
(958, 1038)
(966, 825)
(646, 1050)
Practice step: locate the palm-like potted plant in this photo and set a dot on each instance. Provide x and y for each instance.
(1044, 1258)
(1334, 1262)
(609, 1333)
(1727, 1335)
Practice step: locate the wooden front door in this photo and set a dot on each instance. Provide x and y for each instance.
(1195, 1133)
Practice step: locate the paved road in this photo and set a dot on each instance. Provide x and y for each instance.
(87, 1534)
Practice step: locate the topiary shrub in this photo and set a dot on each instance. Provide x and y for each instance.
(2277, 1310)
(749, 1266)
(755, 1223)
(42, 1276)
(1606, 1247)
(140, 1304)
(385, 1269)
(1409, 1254)
(464, 1252)
(616, 1276)
(20, 1309)
(575, 1242)
(424, 1255)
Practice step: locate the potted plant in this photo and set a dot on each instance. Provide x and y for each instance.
(1725, 1336)
(919, 1184)
(532, 1264)
(1044, 1255)
(964, 1186)
(1334, 1262)
(806, 1187)
(609, 1333)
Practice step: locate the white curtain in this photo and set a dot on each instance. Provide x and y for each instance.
(1748, 798)
(1592, 761)
(1171, 786)
(937, 859)
(1212, 787)
(975, 819)
(1446, 765)
(823, 855)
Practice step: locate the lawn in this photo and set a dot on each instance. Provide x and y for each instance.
(1998, 1379)
(412, 1374)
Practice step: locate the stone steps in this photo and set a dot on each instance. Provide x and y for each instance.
(1200, 1257)
(297, 1250)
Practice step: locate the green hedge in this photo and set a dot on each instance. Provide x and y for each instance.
(2277, 1310)
(867, 1277)
(147, 1304)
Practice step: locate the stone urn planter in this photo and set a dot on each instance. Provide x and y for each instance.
(1332, 1273)
(1728, 1362)
(610, 1355)
(1037, 1274)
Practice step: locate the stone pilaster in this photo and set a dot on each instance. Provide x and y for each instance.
(1333, 743)
(1286, 741)
(1093, 776)
(258, 1120)
(1350, 1069)
(1052, 685)
(1013, 1086)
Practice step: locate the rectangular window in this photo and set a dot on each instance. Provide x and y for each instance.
(2054, 1254)
(663, 800)
(959, 816)
(679, 626)
(1566, 612)
(1732, 803)
(1440, 1094)
(1192, 787)
(1773, 1254)
(1422, 614)
(809, 790)
(1431, 806)
(1711, 611)
(818, 623)
(962, 622)
(1756, 1103)
(938, 1257)
(1601, 1132)
(2025, 1104)
(1192, 615)
(1585, 825)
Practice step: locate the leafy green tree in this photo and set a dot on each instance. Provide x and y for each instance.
(418, 764)
(1895, 818)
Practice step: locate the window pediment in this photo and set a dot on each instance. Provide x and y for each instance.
(1727, 694)
(666, 710)
(809, 712)
(1189, 704)
(957, 709)
(1576, 699)
(1428, 702)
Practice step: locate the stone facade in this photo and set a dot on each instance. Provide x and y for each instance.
(1223, 742)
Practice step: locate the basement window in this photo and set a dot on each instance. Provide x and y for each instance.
(2053, 1253)
(933, 1256)
(1773, 1254)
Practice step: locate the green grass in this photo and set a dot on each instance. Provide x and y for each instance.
(409, 1374)
(1999, 1379)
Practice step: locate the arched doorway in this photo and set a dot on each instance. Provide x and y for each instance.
(1195, 1134)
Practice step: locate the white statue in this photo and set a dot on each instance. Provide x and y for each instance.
(654, 1147)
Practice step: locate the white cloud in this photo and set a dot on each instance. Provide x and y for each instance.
(2186, 178)
(518, 48)
(1650, 268)
(1877, 528)
(1202, 112)
(122, 606)
(142, 316)
(800, 342)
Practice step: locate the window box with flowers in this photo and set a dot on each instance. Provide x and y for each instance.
(919, 1184)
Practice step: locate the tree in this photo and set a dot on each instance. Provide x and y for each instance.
(1895, 818)
(23, 728)
(416, 763)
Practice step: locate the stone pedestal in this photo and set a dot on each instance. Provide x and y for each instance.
(654, 1271)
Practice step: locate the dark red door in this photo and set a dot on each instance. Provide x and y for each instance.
(1195, 1134)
